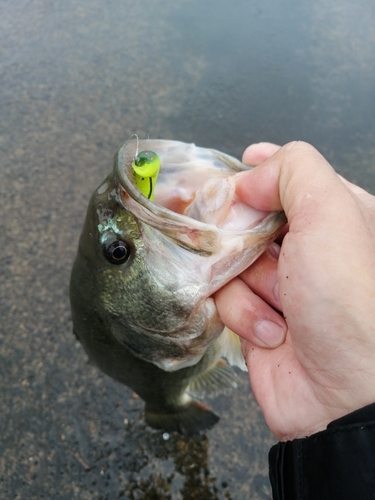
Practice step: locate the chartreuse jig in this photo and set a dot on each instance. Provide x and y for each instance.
(146, 166)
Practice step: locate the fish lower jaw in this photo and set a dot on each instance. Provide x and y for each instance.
(171, 364)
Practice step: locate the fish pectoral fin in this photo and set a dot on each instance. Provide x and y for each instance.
(192, 418)
(220, 377)
(231, 349)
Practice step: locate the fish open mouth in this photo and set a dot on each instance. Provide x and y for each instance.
(195, 202)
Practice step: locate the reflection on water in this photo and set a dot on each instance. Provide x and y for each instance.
(179, 468)
(150, 465)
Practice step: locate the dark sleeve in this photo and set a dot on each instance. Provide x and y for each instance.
(338, 463)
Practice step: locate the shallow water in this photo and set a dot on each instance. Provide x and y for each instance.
(77, 79)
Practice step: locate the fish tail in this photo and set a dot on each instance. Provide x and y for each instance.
(192, 418)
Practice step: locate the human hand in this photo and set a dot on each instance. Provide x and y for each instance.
(322, 362)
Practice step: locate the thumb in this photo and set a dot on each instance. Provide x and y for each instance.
(300, 181)
(295, 174)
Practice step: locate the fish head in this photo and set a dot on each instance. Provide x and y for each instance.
(154, 268)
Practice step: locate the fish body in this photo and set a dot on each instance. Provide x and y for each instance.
(145, 271)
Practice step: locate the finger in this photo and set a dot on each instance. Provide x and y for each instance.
(261, 276)
(258, 153)
(261, 187)
(249, 316)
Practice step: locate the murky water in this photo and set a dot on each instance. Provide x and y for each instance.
(77, 79)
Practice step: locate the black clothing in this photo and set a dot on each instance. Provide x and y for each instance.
(338, 463)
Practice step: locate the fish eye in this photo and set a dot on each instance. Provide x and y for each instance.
(117, 252)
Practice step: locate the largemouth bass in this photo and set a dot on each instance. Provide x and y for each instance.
(145, 272)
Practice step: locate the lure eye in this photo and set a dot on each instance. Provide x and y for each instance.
(117, 252)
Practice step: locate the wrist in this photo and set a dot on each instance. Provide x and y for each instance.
(333, 464)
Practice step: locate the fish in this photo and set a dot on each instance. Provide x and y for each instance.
(146, 268)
